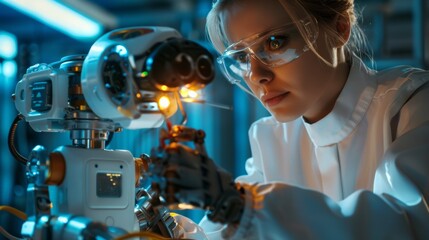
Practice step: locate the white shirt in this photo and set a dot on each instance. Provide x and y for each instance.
(307, 181)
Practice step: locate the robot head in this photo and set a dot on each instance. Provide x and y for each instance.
(128, 72)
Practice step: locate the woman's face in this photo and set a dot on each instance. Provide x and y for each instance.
(302, 87)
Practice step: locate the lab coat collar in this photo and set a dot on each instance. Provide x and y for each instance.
(349, 108)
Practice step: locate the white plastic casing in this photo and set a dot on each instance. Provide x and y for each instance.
(52, 119)
(78, 193)
(93, 86)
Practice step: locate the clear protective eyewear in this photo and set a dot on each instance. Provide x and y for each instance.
(272, 48)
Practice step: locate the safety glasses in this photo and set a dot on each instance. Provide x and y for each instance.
(272, 48)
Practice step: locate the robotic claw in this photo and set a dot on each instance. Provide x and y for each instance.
(130, 78)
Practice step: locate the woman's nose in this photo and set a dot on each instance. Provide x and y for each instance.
(259, 72)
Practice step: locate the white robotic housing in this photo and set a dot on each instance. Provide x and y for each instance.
(41, 97)
(108, 74)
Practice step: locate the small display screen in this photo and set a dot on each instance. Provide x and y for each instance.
(109, 185)
(41, 96)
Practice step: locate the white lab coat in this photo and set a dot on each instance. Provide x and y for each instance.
(361, 172)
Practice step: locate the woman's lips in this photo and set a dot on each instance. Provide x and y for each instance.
(271, 100)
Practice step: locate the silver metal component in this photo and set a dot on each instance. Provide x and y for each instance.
(153, 216)
(76, 120)
(89, 138)
(38, 202)
(38, 165)
(87, 130)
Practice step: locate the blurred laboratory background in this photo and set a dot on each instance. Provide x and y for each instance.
(31, 32)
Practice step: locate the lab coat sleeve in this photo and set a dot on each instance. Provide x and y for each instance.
(280, 211)
(188, 229)
(254, 173)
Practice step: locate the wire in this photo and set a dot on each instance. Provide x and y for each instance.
(14, 211)
(23, 216)
(8, 235)
(11, 140)
(149, 235)
(201, 101)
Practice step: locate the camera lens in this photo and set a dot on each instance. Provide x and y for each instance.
(168, 66)
(205, 69)
(114, 78)
(183, 66)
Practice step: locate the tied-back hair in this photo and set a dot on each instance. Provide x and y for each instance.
(322, 15)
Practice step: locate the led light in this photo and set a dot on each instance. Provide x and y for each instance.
(59, 17)
(121, 50)
(185, 206)
(188, 93)
(193, 94)
(163, 102)
(8, 46)
(144, 74)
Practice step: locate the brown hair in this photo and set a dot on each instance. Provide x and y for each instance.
(323, 14)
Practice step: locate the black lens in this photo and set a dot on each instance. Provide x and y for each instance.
(167, 66)
(183, 66)
(205, 69)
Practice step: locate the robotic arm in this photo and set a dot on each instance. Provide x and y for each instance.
(185, 175)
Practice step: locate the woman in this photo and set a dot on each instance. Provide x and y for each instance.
(345, 153)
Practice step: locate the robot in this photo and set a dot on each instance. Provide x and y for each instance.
(129, 79)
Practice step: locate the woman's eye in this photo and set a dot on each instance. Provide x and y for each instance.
(275, 43)
(241, 57)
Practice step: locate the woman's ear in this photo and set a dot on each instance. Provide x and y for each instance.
(343, 29)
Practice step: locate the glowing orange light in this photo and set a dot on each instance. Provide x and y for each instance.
(185, 206)
(164, 102)
(193, 94)
(164, 88)
(188, 93)
(184, 92)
